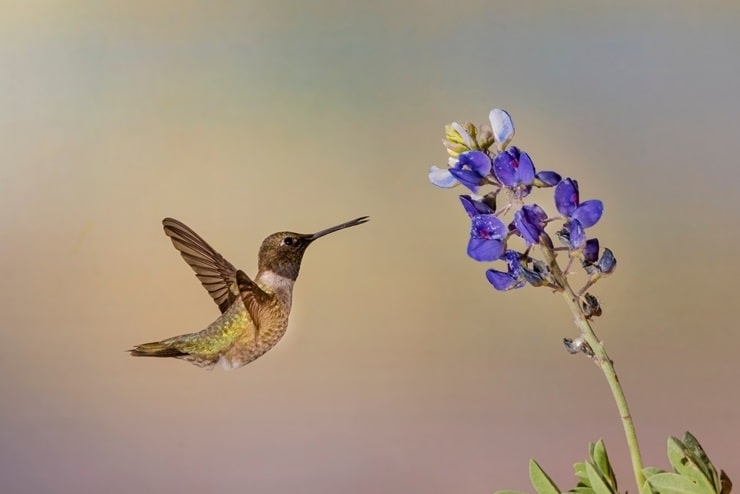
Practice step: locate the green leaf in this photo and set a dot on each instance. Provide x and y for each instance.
(598, 483)
(685, 463)
(580, 469)
(540, 481)
(582, 490)
(646, 488)
(601, 462)
(701, 458)
(673, 483)
(650, 471)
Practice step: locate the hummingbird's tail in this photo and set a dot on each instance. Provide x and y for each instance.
(155, 349)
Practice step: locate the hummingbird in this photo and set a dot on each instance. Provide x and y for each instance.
(254, 313)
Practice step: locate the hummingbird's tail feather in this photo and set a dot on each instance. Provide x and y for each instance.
(155, 349)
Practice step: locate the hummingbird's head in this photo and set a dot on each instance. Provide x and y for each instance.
(282, 252)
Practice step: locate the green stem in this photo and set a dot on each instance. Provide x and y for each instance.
(601, 358)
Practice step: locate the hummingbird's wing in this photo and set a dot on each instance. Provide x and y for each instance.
(252, 295)
(217, 275)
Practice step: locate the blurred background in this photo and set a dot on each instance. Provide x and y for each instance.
(402, 370)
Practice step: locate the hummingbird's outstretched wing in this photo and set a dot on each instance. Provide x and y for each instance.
(215, 273)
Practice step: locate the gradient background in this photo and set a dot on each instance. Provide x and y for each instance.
(403, 371)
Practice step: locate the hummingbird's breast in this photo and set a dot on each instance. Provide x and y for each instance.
(260, 333)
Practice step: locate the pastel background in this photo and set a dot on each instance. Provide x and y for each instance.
(402, 370)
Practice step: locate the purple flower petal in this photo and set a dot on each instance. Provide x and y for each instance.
(468, 178)
(577, 235)
(546, 179)
(487, 226)
(530, 222)
(511, 279)
(500, 281)
(608, 262)
(512, 262)
(513, 168)
(589, 213)
(473, 207)
(485, 250)
(442, 177)
(525, 171)
(533, 277)
(502, 126)
(566, 196)
(504, 167)
(591, 250)
(478, 161)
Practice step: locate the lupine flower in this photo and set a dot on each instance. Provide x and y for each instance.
(580, 215)
(471, 169)
(607, 263)
(511, 279)
(481, 157)
(459, 139)
(487, 238)
(474, 207)
(591, 251)
(546, 179)
(539, 275)
(530, 223)
(514, 169)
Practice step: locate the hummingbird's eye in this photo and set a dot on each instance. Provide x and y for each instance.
(288, 241)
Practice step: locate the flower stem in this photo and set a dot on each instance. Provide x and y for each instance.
(607, 367)
(601, 358)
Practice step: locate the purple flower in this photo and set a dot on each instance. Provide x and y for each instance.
(471, 169)
(514, 168)
(546, 179)
(593, 264)
(487, 238)
(607, 263)
(473, 207)
(591, 251)
(580, 215)
(510, 279)
(530, 223)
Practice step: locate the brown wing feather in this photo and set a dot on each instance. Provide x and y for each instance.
(252, 295)
(216, 274)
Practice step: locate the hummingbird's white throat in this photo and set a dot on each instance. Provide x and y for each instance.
(275, 282)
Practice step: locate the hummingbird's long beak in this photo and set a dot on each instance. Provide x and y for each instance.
(333, 229)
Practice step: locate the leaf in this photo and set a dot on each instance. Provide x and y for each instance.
(540, 481)
(646, 488)
(598, 483)
(697, 452)
(685, 463)
(650, 471)
(601, 462)
(673, 483)
(580, 469)
(582, 490)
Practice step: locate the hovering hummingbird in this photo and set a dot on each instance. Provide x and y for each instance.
(254, 314)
